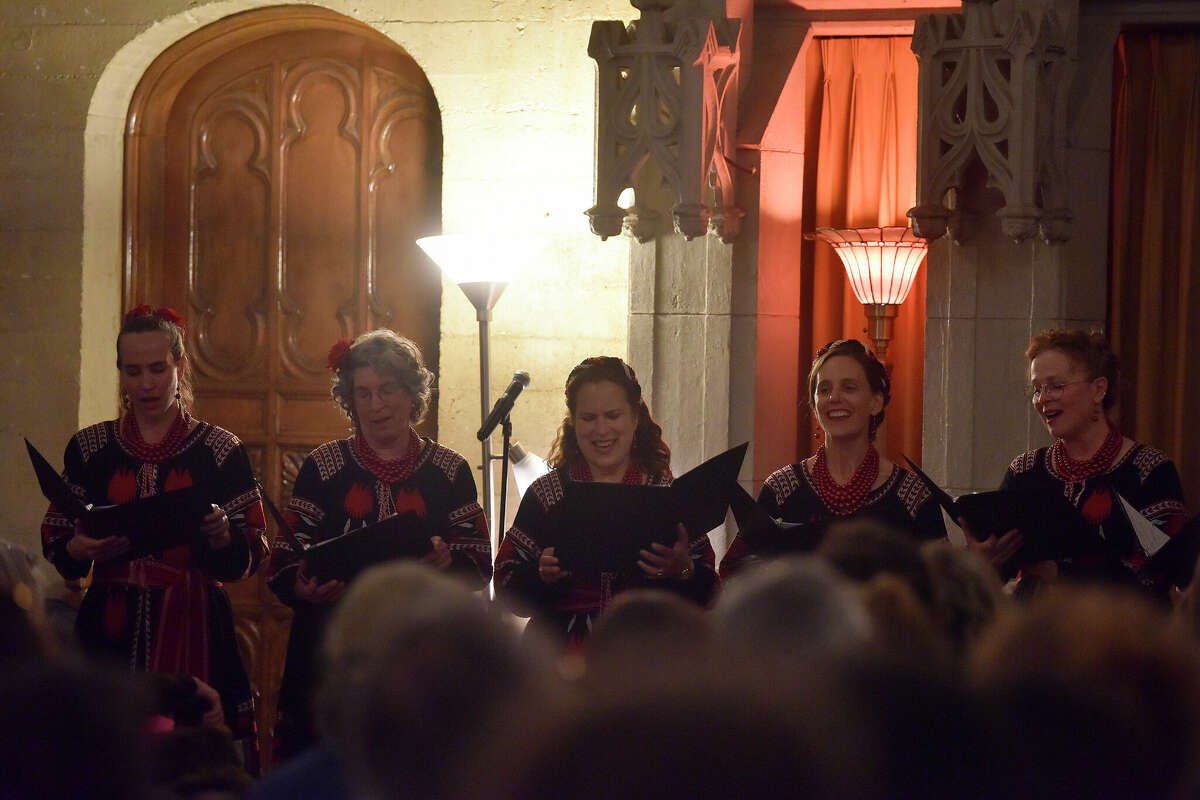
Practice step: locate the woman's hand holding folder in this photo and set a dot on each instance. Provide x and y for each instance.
(671, 563)
(995, 549)
(82, 547)
(312, 591)
(548, 569)
(439, 556)
(215, 527)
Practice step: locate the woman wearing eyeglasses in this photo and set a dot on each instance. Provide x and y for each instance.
(1073, 385)
(849, 389)
(607, 436)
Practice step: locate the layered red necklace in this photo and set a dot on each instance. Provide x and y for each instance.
(163, 449)
(848, 498)
(580, 472)
(389, 470)
(1100, 462)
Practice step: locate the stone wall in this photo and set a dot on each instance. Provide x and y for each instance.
(516, 89)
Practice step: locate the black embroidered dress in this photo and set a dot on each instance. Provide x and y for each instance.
(166, 612)
(789, 493)
(566, 610)
(335, 493)
(1148, 481)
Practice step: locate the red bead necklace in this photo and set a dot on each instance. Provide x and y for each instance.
(164, 448)
(847, 499)
(388, 470)
(580, 472)
(1073, 470)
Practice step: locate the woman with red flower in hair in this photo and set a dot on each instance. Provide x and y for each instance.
(1073, 378)
(384, 468)
(164, 611)
(848, 389)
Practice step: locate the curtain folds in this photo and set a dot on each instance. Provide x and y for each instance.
(1154, 286)
(861, 137)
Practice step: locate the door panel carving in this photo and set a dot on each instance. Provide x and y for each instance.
(275, 200)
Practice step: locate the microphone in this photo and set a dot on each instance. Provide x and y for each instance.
(504, 404)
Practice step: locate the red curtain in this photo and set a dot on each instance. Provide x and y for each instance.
(1154, 286)
(861, 137)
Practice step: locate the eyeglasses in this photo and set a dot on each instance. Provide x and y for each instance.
(1050, 391)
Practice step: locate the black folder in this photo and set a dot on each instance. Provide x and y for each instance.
(600, 527)
(1177, 558)
(152, 524)
(1052, 528)
(769, 536)
(404, 535)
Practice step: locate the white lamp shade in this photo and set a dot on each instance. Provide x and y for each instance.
(476, 257)
(881, 263)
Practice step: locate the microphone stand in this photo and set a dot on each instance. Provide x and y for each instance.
(506, 431)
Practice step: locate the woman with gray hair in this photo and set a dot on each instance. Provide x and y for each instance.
(384, 468)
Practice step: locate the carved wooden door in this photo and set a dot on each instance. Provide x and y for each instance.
(277, 189)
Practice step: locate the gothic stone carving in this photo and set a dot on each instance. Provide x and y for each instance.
(667, 90)
(992, 86)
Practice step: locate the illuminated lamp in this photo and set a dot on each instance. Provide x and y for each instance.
(881, 264)
(482, 265)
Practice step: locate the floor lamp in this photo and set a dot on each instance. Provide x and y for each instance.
(476, 264)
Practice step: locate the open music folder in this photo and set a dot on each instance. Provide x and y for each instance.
(601, 527)
(1052, 528)
(152, 524)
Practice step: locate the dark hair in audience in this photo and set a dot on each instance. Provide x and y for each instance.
(1100, 696)
(860, 549)
(197, 762)
(1089, 350)
(877, 377)
(643, 634)
(72, 732)
(967, 592)
(416, 672)
(790, 609)
(649, 452)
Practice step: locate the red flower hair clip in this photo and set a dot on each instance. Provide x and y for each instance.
(337, 354)
(165, 313)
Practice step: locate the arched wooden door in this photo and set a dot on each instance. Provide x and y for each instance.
(279, 165)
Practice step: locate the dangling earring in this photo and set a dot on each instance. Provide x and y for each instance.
(125, 400)
(1096, 412)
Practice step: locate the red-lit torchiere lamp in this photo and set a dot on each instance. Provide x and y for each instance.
(881, 264)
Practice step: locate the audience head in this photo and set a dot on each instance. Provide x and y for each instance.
(846, 370)
(384, 363)
(149, 337)
(789, 611)
(648, 636)
(967, 593)
(415, 671)
(72, 732)
(1095, 696)
(608, 422)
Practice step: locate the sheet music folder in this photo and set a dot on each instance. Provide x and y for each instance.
(600, 527)
(1051, 526)
(770, 536)
(152, 524)
(398, 536)
(1172, 556)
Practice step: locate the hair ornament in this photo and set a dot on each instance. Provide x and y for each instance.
(165, 313)
(337, 354)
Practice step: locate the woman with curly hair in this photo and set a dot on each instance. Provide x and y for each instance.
(384, 468)
(607, 435)
(165, 611)
(1073, 379)
(847, 477)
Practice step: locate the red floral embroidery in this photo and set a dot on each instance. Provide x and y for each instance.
(410, 500)
(122, 486)
(177, 479)
(359, 501)
(1097, 507)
